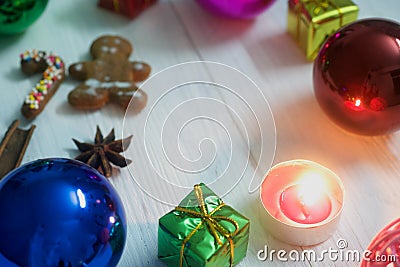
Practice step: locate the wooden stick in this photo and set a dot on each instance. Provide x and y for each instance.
(13, 147)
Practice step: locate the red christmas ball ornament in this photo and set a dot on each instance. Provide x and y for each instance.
(384, 250)
(357, 77)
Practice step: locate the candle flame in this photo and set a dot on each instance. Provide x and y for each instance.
(312, 188)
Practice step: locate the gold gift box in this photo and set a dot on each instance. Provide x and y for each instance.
(311, 22)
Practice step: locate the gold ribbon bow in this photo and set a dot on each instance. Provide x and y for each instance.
(211, 221)
(322, 5)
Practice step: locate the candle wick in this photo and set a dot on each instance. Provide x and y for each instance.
(304, 209)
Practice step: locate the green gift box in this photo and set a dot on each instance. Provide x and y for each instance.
(202, 232)
(311, 22)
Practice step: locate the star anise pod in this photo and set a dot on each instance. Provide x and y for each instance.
(103, 152)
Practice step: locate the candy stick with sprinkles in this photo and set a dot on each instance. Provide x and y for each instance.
(53, 68)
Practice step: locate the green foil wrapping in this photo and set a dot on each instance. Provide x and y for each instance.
(311, 22)
(201, 250)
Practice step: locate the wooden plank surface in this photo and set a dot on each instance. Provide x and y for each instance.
(201, 131)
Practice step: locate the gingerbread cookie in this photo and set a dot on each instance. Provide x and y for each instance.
(110, 77)
(34, 61)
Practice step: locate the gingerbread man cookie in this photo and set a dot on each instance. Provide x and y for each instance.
(110, 77)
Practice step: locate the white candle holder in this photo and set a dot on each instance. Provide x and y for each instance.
(321, 183)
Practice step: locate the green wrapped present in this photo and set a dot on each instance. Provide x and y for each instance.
(311, 22)
(202, 232)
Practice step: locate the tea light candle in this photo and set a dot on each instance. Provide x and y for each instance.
(303, 201)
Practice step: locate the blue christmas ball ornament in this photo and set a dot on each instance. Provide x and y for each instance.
(60, 213)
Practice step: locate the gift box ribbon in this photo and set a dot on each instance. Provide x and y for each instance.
(116, 5)
(323, 6)
(320, 5)
(211, 221)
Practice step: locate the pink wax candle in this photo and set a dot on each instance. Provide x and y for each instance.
(301, 207)
(303, 201)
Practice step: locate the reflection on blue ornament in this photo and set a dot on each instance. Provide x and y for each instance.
(60, 213)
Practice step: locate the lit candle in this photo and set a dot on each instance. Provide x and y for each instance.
(305, 206)
(303, 201)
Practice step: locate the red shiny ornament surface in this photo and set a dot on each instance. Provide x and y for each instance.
(384, 250)
(357, 77)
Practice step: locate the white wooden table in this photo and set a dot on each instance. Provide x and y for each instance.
(179, 31)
